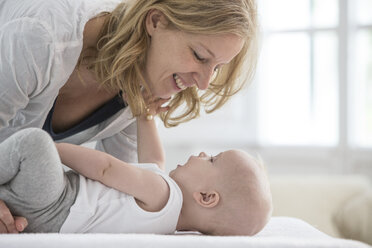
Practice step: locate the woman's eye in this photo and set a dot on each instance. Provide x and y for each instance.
(198, 57)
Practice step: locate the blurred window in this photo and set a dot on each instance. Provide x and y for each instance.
(298, 73)
(361, 75)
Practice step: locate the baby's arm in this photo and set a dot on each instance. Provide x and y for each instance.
(146, 186)
(149, 147)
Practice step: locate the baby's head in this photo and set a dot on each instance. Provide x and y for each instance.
(227, 194)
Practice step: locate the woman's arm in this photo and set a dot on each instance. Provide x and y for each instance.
(25, 50)
(144, 185)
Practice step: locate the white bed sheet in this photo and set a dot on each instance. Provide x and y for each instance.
(281, 232)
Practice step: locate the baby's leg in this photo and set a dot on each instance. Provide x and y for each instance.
(33, 183)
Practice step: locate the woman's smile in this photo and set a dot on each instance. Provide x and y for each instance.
(179, 82)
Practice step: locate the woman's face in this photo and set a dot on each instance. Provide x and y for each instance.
(177, 60)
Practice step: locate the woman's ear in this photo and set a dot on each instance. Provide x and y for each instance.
(207, 199)
(155, 19)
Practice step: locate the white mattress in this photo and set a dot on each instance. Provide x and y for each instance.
(281, 232)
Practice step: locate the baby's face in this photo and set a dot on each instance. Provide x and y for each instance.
(202, 169)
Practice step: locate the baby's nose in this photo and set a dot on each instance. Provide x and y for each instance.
(202, 154)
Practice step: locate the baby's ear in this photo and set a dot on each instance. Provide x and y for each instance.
(208, 199)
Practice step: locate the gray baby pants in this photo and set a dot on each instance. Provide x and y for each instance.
(33, 183)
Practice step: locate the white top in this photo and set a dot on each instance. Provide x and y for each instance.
(100, 209)
(40, 43)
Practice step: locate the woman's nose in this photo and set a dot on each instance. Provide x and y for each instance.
(205, 77)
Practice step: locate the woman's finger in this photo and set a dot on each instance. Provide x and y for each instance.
(3, 228)
(6, 219)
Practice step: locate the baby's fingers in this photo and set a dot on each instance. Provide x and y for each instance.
(161, 101)
(160, 105)
(163, 109)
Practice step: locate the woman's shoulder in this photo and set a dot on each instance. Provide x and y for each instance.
(63, 19)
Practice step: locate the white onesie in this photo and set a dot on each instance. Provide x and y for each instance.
(100, 209)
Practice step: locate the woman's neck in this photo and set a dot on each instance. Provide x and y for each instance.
(83, 81)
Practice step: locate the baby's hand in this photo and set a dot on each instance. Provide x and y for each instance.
(154, 105)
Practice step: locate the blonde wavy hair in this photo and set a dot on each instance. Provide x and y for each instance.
(124, 42)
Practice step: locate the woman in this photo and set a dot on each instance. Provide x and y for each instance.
(78, 68)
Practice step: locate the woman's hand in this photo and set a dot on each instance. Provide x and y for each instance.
(8, 224)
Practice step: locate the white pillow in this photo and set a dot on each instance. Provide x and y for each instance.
(354, 219)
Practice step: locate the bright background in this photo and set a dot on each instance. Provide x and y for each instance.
(309, 109)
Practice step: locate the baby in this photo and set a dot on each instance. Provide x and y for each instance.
(227, 194)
